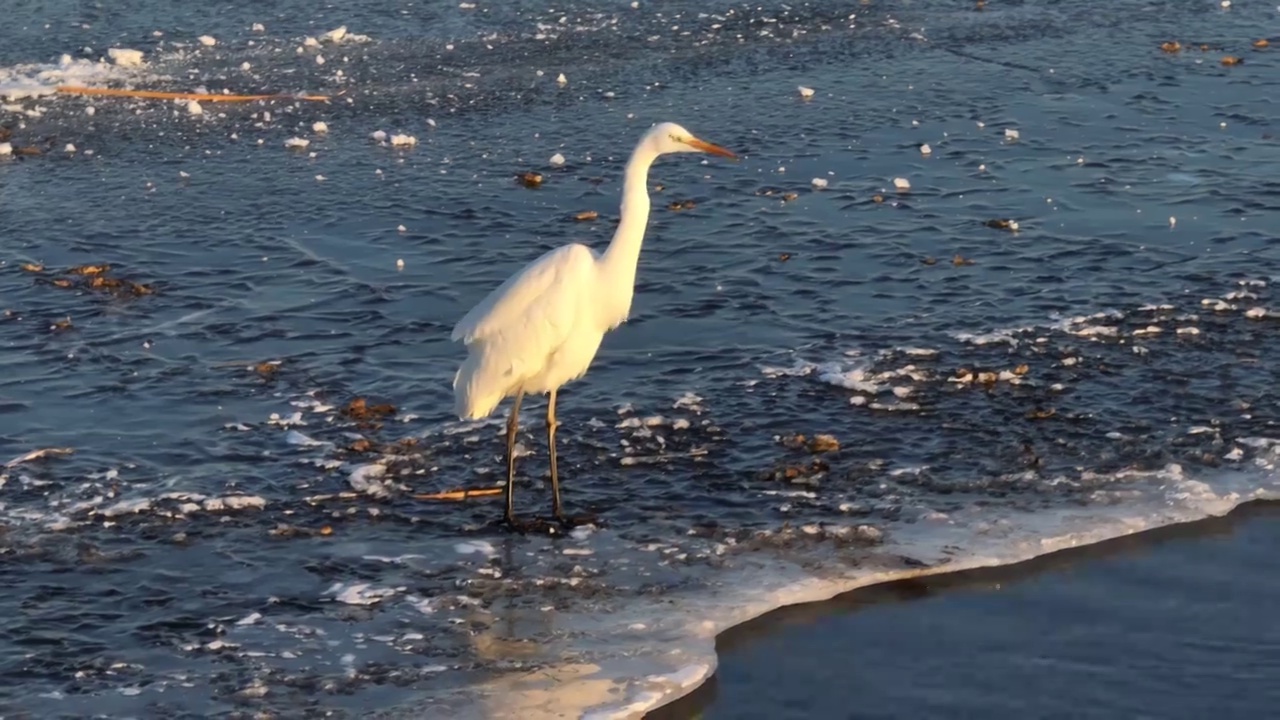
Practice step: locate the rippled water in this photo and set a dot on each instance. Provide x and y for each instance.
(218, 544)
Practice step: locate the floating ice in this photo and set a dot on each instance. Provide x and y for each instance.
(805, 92)
(297, 143)
(819, 183)
(194, 108)
(925, 149)
(207, 40)
(479, 547)
(125, 57)
(557, 160)
(902, 183)
(1012, 134)
(359, 593)
(404, 140)
(368, 479)
(320, 126)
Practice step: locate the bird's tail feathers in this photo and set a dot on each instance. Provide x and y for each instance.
(479, 386)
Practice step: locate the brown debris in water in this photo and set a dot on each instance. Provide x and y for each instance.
(61, 325)
(823, 444)
(820, 443)
(1230, 60)
(586, 215)
(94, 278)
(1260, 44)
(360, 409)
(267, 369)
(877, 199)
(1041, 413)
(960, 261)
(1002, 224)
(929, 260)
(1172, 46)
(808, 474)
(677, 205)
(40, 455)
(530, 179)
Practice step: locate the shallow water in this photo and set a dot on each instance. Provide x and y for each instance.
(1147, 396)
(1162, 624)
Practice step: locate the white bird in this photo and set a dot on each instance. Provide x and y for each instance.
(542, 327)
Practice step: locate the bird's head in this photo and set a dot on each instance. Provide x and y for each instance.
(669, 137)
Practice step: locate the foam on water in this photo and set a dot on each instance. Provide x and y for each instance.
(37, 80)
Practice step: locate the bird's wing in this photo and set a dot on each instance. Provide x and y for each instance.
(540, 294)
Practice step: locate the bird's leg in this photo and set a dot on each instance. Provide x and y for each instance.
(556, 508)
(513, 423)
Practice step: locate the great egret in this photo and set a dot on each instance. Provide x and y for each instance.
(542, 327)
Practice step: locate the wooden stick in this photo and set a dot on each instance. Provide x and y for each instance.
(460, 494)
(158, 95)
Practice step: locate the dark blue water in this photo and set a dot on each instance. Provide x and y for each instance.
(215, 544)
(1167, 627)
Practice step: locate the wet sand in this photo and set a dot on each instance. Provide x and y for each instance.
(1165, 624)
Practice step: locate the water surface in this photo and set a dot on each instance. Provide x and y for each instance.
(223, 540)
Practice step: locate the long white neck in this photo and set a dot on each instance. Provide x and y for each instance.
(618, 265)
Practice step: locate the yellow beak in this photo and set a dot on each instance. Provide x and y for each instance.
(710, 148)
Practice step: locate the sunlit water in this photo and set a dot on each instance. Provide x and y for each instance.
(223, 541)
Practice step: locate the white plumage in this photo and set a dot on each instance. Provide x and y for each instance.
(542, 327)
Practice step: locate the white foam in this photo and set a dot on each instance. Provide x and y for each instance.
(33, 80)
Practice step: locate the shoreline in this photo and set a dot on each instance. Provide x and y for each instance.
(775, 623)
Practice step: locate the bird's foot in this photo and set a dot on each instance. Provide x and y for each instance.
(569, 522)
(536, 526)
